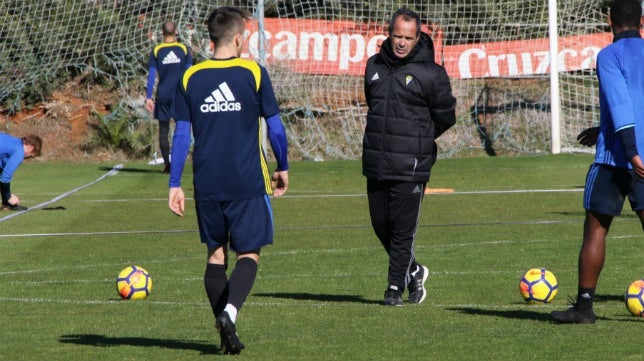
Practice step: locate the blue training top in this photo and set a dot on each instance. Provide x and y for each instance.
(224, 101)
(12, 154)
(620, 72)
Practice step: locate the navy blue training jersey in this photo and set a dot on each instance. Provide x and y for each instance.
(224, 100)
(170, 60)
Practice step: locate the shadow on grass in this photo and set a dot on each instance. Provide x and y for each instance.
(107, 341)
(302, 296)
(514, 314)
(609, 298)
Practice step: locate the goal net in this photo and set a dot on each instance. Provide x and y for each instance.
(496, 53)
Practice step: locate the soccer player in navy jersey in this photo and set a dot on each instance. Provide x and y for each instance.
(13, 151)
(168, 59)
(617, 171)
(224, 99)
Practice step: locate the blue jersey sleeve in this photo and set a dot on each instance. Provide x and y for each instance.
(179, 152)
(188, 57)
(152, 75)
(12, 154)
(614, 86)
(277, 137)
(181, 138)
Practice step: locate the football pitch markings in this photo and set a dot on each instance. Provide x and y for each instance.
(272, 254)
(351, 195)
(300, 303)
(111, 172)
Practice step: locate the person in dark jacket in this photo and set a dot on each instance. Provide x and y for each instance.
(410, 105)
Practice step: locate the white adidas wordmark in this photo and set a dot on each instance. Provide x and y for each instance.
(221, 100)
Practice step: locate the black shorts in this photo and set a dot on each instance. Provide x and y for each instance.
(607, 187)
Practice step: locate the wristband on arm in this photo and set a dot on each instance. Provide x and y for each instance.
(627, 136)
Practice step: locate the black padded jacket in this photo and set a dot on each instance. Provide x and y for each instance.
(410, 105)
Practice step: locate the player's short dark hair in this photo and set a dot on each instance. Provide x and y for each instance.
(225, 22)
(34, 141)
(169, 28)
(626, 13)
(407, 14)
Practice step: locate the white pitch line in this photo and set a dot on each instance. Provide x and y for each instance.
(112, 171)
(66, 234)
(519, 191)
(349, 195)
(298, 303)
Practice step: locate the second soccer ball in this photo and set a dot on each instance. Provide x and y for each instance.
(635, 298)
(538, 285)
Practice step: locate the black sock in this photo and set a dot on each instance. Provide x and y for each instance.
(585, 298)
(241, 281)
(164, 143)
(216, 285)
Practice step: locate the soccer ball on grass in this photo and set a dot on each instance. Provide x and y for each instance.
(134, 283)
(635, 298)
(538, 285)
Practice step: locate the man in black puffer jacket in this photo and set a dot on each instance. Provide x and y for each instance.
(410, 105)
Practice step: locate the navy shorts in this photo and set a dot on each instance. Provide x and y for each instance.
(164, 108)
(246, 225)
(607, 188)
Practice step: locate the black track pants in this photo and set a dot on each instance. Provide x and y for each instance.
(394, 207)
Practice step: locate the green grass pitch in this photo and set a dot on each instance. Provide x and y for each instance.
(319, 288)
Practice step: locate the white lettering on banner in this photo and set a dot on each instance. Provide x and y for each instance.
(464, 68)
(590, 54)
(345, 50)
(373, 46)
(327, 49)
(475, 62)
(352, 48)
(544, 61)
(318, 46)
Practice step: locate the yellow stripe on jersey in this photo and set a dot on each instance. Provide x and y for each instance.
(250, 65)
(265, 172)
(165, 45)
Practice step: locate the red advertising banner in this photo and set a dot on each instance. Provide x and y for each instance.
(343, 47)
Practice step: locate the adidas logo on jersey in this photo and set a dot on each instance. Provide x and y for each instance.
(220, 100)
(171, 58)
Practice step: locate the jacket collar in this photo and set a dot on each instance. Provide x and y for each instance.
(626, 34)
(422, 52)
